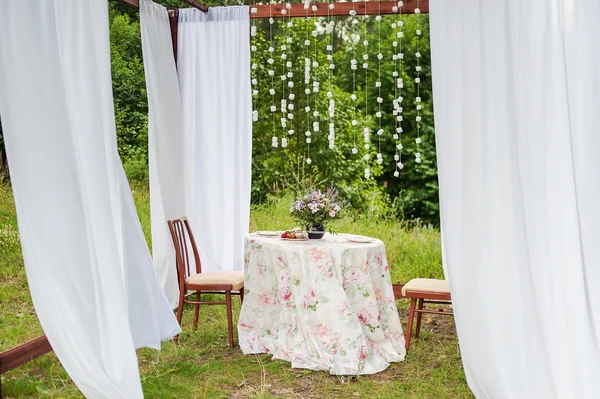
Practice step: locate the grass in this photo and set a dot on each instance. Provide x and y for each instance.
(412, 250)
(203, 366)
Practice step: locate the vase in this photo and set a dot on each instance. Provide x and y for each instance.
(316, 231)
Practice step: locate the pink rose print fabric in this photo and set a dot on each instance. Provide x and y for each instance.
(320, 304)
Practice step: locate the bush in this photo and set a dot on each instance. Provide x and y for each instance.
(136, 166)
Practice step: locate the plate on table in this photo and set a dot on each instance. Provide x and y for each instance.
(268, 233)
(295, 239)
(362, 240)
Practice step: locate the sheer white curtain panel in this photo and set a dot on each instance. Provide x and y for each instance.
(516, 88)
(166, 145)
(214, 79)
(88, 266)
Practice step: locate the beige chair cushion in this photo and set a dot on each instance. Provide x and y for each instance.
(427, 285)
(236, 279)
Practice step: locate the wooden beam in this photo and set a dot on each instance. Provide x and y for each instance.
(340, 9)
(133, 3)
(200, 6)
(22, 354)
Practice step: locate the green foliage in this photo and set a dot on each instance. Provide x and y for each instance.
(414, 194)
(136, 166)
(129, 87)
(275, 169)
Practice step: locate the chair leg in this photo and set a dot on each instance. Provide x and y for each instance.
(229, 318)
(179, 313)
(411, 315)
(197, 310)
(419, 314)
(242, 295)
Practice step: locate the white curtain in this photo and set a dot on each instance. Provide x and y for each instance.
(166, 145)
(88, 266)
(214, 79)
(516, 94)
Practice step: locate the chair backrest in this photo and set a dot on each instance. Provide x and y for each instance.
(181, 233)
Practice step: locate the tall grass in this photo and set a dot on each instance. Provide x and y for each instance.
(202, 365)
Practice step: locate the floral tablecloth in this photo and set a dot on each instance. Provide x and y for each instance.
(320, 304)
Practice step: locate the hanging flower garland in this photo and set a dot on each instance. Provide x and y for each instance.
(330, 69)
(271, 72)
(353, 67)
(398, 58)
(254, 66)
(285, 74)
(307, 91)
(289, 65)
(418, 83)
(315, 83)
(366, 129)
(379, 114)
(283, 78)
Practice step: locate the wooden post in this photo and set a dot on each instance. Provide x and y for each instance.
(174, 22)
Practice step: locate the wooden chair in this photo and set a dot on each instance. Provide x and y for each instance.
(228, 283)
(423, 291)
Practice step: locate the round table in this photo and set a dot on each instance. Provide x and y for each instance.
(320, 304)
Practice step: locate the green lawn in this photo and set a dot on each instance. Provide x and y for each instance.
(202, 365)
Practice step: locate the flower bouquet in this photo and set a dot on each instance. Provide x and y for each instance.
(316, 210)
